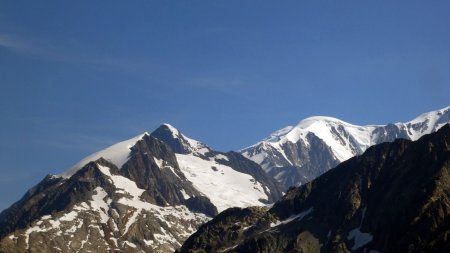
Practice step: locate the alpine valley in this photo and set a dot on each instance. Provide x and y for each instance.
(152, 192)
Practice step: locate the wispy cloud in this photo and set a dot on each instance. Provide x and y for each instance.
(46, 50)
(217, 83)
(17, 44)
(222, 85)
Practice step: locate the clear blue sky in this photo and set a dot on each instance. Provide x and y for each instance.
(76, 76)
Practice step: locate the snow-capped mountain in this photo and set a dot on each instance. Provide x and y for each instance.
(137, 195)
(297, 154)
(146, 204)
(149, 193)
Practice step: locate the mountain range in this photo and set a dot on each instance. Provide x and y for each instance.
(148, 194)
(298, 154)
(393, 198)
(151, 192)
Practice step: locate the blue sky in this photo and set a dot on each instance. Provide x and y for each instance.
(78, 76)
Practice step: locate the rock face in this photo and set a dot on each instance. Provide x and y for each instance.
(393, 198)
(137, 195)
(296, 155)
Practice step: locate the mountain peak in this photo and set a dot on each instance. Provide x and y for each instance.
(308, 122)
(175, 132)
(179, 142)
